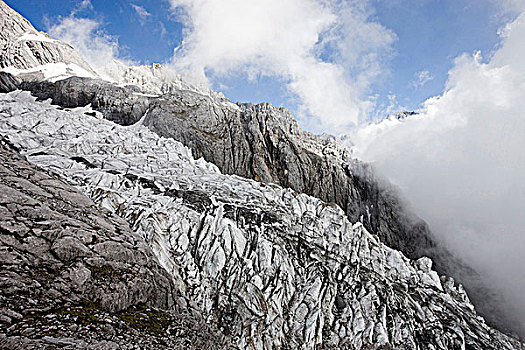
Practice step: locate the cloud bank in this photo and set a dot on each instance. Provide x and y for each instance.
(461, 163)
(328, 52)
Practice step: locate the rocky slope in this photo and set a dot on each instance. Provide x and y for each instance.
(259, 142)
(265, 143)
(271, 267)
(75, 276)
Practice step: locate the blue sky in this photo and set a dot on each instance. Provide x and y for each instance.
(429, 35)
(142, 41)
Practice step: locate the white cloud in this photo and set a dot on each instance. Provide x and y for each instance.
(101, 51)
(83, 5)
(461, 163)
(142, 13)
(421, 78)
(329, 51)
(86, 36)
(512, 6)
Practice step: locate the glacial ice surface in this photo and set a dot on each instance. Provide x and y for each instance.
(273, 268)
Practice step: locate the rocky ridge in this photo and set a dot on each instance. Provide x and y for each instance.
(271, 267)
(24, 48)
(259, 142)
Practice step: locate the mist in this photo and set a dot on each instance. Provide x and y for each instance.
(461, 163)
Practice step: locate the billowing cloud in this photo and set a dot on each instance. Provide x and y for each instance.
(86, 36)
(461, 163)
(328, 51)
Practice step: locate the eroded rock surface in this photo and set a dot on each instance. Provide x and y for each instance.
(271, 267)
(75, 276)
(8, 82)
(260, 142)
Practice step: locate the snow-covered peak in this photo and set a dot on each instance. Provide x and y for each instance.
(31, 55)
(154, 79)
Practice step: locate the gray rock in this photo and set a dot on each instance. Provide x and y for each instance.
(5, 319)
(79, 275)
(260, 142)
(12, 314)
(8, 82)
(70, 248)
(59, 342)
(121, 104)
(50, 286)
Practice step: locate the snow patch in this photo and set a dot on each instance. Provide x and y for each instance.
(52, 71)
(35, 36)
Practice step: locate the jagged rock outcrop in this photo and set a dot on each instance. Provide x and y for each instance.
(261, 142)
(122, 104)
(75, 276)
(8, 82)
(274, 268)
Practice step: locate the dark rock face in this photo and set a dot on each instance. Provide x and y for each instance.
(8, 83)
(274, 268)
(75, 276)
(259, 142)
(265, 143)
(124, 105)
(82, 266)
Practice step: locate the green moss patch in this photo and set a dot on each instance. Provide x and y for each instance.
(104, 273)
(140, 317)
(85, 313)
(145, 319)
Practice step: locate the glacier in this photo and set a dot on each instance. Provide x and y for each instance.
(271, 267)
